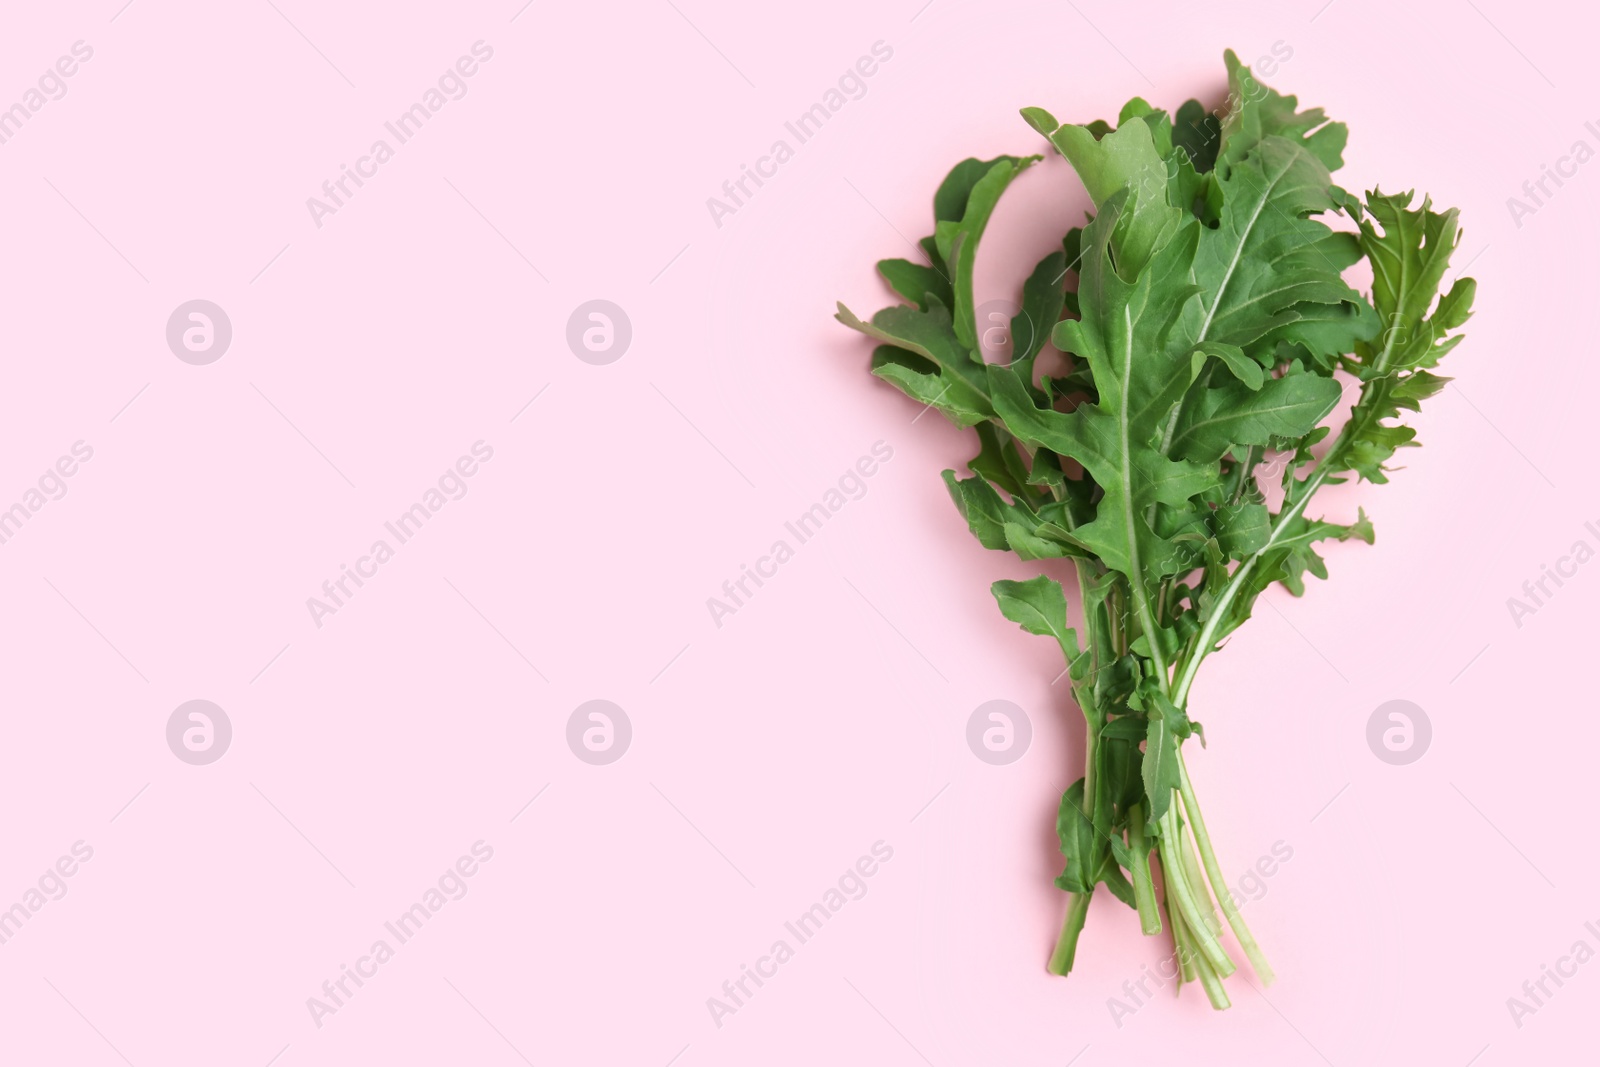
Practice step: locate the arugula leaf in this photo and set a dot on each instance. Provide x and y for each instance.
(919, 284)
(1040, 607)
(1409, 258)
(961, 387)
(1126, 160)
(1267, 257)
(1234, 414)
(957, 238)
(1043, 297)
(998, 524)
(1260, 112)
(1207, 314)
(1160, 771)
(1088, 853)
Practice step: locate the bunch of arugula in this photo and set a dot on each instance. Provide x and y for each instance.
(1207, 326)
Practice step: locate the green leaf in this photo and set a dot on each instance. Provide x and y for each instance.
(1242, 529)
(1241, 366)
(1410, 251)
(998, 461)
(986, 513)
(1257, 112)
(1116, 881)
(1294, 556)
(1267, 258)
(1042, 541)
(1079, 843)
(1042, 297)
(1455, 307)
(1233, 414)
(950, 201)
(1040, 119)
(1115, 438)
(958, 239)
(1125, 160)
(1040, 607)
(999, 524)
(927, 334)
(1088, 853)
(1160, 771)
(1125, 727)
(915, 282)
(1198, 133)
(921, 380)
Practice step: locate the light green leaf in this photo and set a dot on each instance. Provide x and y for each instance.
(1241, 366)
(1040, 607)
(1232, 414)
(1160, 770)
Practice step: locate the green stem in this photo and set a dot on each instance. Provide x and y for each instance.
(1169, 843)
(1219, 884)
(1204, 971)
(1078, 903)
(1071, 927)
(1144, 890)
(1191, 870)
(1242, 472)
(1181, 948)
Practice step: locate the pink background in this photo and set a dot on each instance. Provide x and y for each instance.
(829, 713)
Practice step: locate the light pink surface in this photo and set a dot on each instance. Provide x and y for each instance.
(827, 714)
